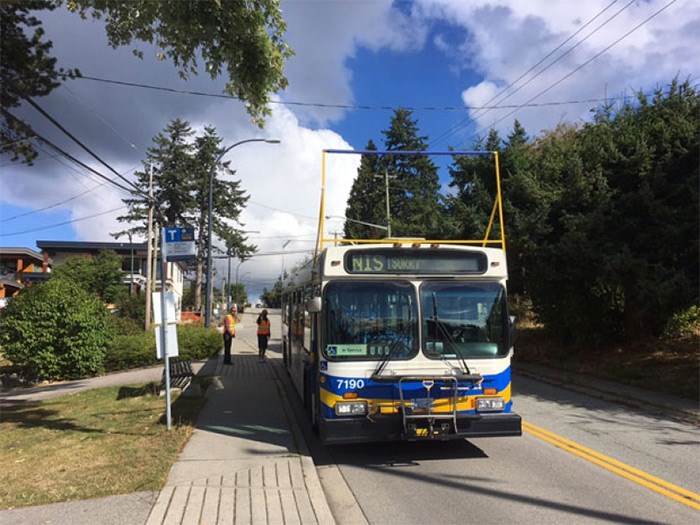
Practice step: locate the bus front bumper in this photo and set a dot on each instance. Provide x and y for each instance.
(391, 428)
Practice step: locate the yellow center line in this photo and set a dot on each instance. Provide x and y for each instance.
(660, 486)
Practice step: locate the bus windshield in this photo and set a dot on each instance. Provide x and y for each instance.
(370, 320)
(464, 320)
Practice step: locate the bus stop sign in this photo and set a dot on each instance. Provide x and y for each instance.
(179, 244)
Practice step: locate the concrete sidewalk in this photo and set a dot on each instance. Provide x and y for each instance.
(246, 461)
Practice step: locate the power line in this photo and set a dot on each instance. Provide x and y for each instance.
(460, 125)
(582, 65)
(340, 106)
(101, 118)
(283, 211)
(45, 208)
(71, 157)
(40, 228)
(75, 139)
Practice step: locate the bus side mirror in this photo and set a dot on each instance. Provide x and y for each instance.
(313, 305)
(512, 323)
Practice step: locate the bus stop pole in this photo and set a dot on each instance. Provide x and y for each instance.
(163, 325)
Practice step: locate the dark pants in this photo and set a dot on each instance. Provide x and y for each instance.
(228, 339)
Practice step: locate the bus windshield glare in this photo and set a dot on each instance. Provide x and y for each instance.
(464, 320)
(370, 320)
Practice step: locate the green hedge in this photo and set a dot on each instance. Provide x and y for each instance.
(55, 330)
(139, 350)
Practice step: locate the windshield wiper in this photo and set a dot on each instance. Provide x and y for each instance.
(448, 337)
(403, 334)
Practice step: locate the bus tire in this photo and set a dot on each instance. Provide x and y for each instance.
(310, 402)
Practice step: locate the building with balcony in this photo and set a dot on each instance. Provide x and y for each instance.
(19, 267)
(134, 262)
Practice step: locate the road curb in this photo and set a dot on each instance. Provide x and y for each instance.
(678, 409)
(313, 483)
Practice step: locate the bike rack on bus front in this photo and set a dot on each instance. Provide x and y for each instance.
(418, 414)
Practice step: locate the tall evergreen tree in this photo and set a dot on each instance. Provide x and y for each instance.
(474, 181)
(622, 253)
(242, 39)
(180, 165)
(414, 199)
(366, 199)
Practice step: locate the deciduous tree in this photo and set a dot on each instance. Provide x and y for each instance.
(242, 40)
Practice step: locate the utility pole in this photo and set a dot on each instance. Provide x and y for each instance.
(149, 249)
(228, 280)
(131, 280)
(388, 214)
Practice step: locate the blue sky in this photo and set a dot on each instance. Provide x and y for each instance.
(439, 53)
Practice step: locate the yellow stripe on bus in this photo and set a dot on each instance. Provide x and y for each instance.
(390, 406)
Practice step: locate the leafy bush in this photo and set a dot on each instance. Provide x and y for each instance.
(137, 350)
(128, 351)
(684, 324)
(198, 343)
(125, 325)
(101, 275)
(132, 307)
(55, 330)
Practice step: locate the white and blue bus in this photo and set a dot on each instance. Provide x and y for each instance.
(408, 340)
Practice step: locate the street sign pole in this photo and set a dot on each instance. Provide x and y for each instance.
(163, 325)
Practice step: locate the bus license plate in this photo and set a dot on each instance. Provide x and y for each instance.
(422, 403)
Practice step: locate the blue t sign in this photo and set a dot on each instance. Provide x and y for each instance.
(179, 244)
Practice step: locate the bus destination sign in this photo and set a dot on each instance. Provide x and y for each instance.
(391, 261)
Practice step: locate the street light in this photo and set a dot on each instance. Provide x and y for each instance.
(207, 300)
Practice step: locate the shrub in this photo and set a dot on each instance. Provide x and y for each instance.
(684, 324)
(132, 307)
(137, 350)
(55, 330)
(128, 351)
(125, 325)
(197, 343)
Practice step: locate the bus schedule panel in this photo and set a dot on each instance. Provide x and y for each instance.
(427, 262)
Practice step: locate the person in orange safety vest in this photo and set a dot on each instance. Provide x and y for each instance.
(263, 334)
(229, 333)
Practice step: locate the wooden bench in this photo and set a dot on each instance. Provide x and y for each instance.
(181, 375)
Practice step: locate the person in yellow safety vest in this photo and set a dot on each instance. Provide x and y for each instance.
(263, 335)
(229, 333)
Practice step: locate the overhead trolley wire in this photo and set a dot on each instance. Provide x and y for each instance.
(339, 106)
(486, 107)
(581, 66)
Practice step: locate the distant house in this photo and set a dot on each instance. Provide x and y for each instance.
(19, 267)
(134, 262)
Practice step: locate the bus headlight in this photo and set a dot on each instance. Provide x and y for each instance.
(490, 404)
(351, 408)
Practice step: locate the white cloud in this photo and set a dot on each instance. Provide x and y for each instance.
(503, 39)
(325, 35)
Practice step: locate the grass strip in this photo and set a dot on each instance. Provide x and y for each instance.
(91, 444)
